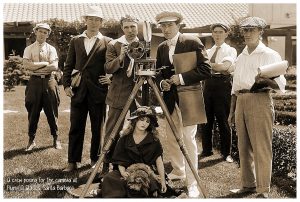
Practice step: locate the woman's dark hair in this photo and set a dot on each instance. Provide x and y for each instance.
(151, 128)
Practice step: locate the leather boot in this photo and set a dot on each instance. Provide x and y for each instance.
(71, 167)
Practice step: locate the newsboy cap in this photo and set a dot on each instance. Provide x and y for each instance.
(93, 11)
(252, 22)
(168, 16)
(42, 25)
(219, 24)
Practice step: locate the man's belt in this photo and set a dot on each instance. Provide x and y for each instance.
(41, 76)
(221, 76)
(243, 91)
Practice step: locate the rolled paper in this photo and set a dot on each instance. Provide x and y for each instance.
(274, 69)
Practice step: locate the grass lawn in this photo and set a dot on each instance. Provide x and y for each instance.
(38, 174)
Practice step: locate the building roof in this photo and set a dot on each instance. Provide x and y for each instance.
(195, 14)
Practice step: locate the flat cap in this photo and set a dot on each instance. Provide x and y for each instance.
(168, 16)
(219, 24)
(253, 22)
(42, 25)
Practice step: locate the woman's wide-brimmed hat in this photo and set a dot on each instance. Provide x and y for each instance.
(145, 111)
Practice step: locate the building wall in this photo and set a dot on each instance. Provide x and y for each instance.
(277, 16)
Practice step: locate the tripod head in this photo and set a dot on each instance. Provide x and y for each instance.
(140, 52)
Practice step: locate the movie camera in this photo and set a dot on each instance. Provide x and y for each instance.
(140, 52)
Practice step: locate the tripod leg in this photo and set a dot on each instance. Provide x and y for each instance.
(175, 132)
(113, 134)
(145, 95)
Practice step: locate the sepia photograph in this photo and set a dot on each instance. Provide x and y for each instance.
(162, 100)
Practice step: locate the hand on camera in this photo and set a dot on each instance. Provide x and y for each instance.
(123, 51)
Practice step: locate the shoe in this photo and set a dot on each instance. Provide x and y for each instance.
(206, 154)
(93, 164)
(70, 167)
(263, 195)
(193, 191)
(244, 190)
(57, 144)
(30, 146)
(173, 176)
(229, 159)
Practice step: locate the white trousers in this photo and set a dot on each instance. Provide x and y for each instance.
(188, 133)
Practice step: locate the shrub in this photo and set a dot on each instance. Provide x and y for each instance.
(283, 96)
(285, 117)
(284, 151)
(13, 72)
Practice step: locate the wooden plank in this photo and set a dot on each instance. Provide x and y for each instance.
(288, 48)
(280, 32)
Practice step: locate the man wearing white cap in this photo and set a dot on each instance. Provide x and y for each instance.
(42, 90)
(89, 96)
(253, 111)
(178, 43)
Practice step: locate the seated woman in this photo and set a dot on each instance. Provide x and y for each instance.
(137, 156)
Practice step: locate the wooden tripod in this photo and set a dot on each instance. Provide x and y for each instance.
(112, 136)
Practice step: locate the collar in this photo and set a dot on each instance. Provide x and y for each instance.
(148, 139)
(123, 40)
(40, 44)
(99, 35)
(223, 45)
(174, 40)
(259, 49)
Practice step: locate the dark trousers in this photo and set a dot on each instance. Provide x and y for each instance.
(217, 97)
(78, 118)
(42, 93)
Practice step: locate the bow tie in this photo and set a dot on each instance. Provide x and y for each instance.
(171, 43)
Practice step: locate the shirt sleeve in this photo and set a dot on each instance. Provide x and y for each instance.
(273, 57)
(231, 57)
(26, 54)
(181, 79)
(281, 82)
(52, 55)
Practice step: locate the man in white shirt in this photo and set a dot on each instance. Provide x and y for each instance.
(253, 112)
(89, 96)
(217, 92)
(42, 91)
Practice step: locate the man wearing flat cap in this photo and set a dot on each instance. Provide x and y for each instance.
(217, 92)
(87, 49)
(42, 91)
(252, 111)
(177, 43)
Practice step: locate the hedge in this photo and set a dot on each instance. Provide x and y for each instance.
(285, 117)
(284, 151)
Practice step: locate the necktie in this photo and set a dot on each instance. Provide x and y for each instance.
(213, 57)
(42, 54)
(171, 45)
